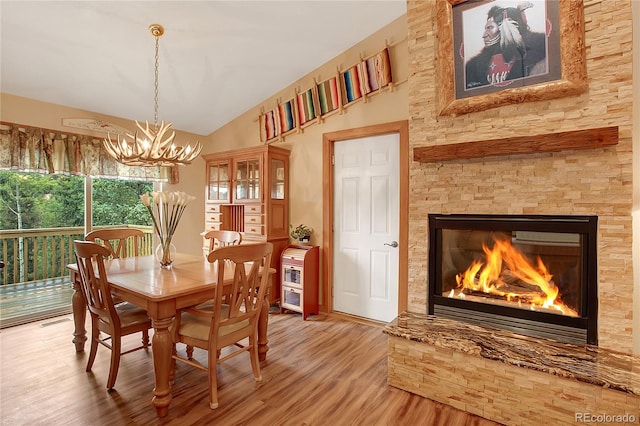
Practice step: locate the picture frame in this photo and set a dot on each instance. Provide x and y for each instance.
(565, 56)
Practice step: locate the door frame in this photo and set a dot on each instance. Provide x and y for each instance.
(328, 142)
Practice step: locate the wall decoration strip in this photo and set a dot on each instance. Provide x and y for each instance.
(327, 97)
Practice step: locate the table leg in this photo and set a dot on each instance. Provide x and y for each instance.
(161, 345)
(79, 307)
(263, 322)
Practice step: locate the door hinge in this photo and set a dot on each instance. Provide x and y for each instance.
(333, 160)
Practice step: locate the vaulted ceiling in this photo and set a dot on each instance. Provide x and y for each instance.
(218, 59)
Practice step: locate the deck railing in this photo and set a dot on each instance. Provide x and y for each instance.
(34, 278)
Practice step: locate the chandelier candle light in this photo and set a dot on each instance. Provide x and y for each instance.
(166, 209)
(157, 147)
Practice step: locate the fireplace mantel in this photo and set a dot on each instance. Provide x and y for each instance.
(577, 139)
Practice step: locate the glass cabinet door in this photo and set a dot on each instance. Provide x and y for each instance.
(218, 177)
(277, 179)
(248, 180)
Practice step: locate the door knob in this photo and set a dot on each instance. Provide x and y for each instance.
(393, 244)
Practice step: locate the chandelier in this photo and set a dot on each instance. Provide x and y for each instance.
(155, 146)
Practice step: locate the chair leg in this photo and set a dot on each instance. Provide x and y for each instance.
(115, 361)
(189, 352)
(145, 338)
(95, 335)
(255, 360)
(172, 365)
(213, 380)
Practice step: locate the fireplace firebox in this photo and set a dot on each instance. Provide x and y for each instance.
(533, 275)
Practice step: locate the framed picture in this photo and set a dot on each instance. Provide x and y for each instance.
(499, 52)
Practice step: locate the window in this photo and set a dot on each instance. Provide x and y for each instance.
(40, 216)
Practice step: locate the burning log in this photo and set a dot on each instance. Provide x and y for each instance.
(509, 282)
(526, 298)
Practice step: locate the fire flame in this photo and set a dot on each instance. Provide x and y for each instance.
(536, 287)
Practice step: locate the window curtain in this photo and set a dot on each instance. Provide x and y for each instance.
(32, 149)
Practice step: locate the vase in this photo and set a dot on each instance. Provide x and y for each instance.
(165, 254)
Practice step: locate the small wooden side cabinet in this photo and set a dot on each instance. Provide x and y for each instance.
(299, 273)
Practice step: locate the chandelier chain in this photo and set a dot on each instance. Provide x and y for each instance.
(155, 98)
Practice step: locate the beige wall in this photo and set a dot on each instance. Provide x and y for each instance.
(587, 182)
(305, 172)
(305, 189)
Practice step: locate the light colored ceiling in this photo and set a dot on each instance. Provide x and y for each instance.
(218, 59)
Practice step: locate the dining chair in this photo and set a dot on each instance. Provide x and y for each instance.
(223, 238)
(218, 239)
(114, 320)
(228, 322)
(115, 239)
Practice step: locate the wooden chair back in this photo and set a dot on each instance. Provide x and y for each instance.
(233, 315)
(93, 278)
(117, 240)
(224, 238)
(247, 291)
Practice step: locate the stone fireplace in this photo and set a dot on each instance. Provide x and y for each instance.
(456, 365)
(570, 182)
(534, 275)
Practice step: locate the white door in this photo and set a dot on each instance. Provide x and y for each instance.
(366, 228)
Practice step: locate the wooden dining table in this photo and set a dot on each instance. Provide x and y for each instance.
(140, 280)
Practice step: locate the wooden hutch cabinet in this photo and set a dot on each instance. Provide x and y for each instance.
(247, 191)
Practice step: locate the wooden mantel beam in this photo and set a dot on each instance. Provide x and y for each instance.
(576, 139)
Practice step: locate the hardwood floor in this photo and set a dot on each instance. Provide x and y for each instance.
(328, 370)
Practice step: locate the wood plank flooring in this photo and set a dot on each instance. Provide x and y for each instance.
(328, 370)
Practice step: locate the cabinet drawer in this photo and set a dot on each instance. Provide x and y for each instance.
(212, 226)
(253, 229)
(292, 276)
(253, 209)
(291, 298)
(212, 208)
(213, 217)
(253, 219)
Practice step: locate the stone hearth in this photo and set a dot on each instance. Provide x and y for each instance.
(507, 377)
